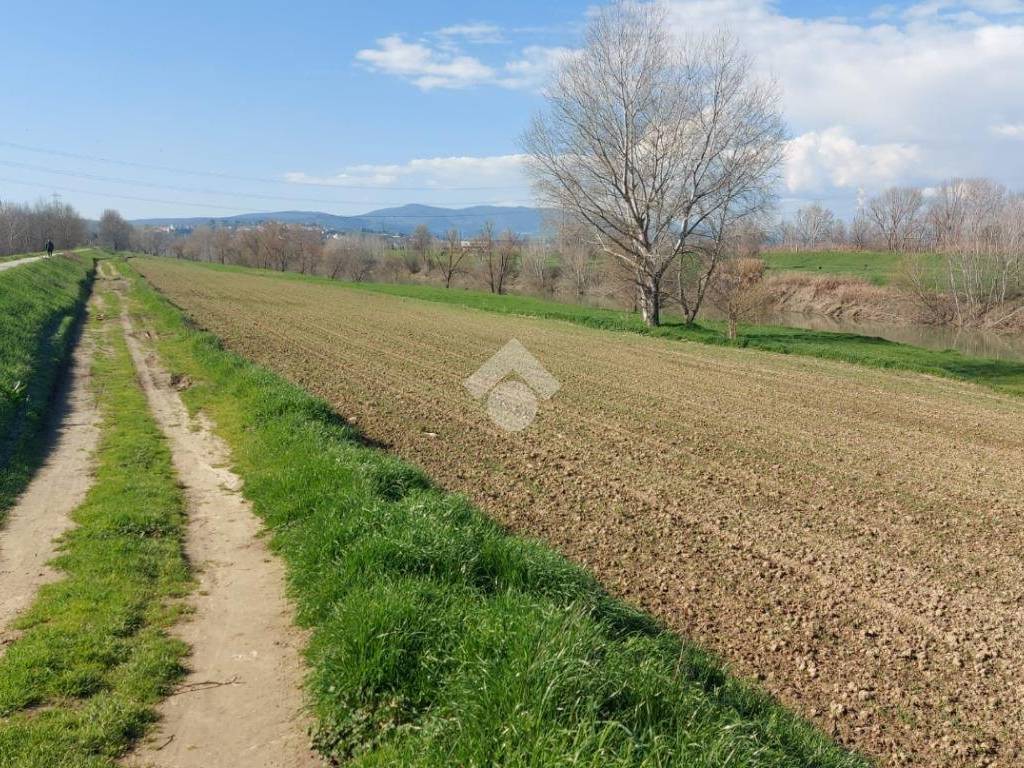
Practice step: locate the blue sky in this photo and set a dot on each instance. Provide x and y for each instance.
(346, 107)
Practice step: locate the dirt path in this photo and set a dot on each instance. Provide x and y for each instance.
(241, 705)
(43, 513)
(853, 537)
(4, 265)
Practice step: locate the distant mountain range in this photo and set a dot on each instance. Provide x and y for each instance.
(397, 221)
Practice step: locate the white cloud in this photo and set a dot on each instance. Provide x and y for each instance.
(477, 32)
(441, 62)
(831, 159)
(534, 67)
(972, 9)
(1009, 130)
(426, 67)
(916, 98)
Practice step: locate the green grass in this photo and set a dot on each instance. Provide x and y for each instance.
(878, 267)
(437, 638)
(79, 685)
(40, 304)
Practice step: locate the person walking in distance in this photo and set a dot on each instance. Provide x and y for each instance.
(49, 247)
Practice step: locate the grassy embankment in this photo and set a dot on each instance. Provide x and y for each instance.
(1001, 375)
(877, 267)
(79, 685)
(41, 304)
(438, 639)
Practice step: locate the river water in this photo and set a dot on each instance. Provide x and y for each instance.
(973, 342)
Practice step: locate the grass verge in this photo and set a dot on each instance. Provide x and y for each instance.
(438, 639)
(79, 685)
(41, 305)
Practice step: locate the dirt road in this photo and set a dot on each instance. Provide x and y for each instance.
(28, 538)
(241, 705)
(18, 262)
(852, 537)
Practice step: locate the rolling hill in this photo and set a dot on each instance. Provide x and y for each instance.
(401, 220)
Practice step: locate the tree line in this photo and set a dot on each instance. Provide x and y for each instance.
(26, 228)
(564, 262)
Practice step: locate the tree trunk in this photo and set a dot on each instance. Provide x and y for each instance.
(650, 301)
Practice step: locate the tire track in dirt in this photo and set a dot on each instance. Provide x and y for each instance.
(853, 537)
(29, 536)
(241, 705)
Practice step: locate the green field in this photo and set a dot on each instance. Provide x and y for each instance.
(77, 688)
(877, 267)
(40, 304)
(438, 638)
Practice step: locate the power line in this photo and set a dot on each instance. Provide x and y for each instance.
(217, 175)
(201, 191)
(127, 197)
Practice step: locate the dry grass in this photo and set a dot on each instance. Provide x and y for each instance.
(836, 296)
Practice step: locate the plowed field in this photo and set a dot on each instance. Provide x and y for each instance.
(854, 538)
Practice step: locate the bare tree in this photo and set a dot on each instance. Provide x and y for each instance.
(115, 233)
(659, 148)
(578, 259)
(155, 241)
(499, 258)
(421, 244)
(860, 234)
(814, 226)
(838, 236)
(486, 252)
(735, 290)
(977, 228)
(452, 257)
(26, 228)
(349, 257)
(947, 213)
(541, 267)
(199, 245)
(307, 243)
(897, 215)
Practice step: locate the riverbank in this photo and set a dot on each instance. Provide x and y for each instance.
(846, 304)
